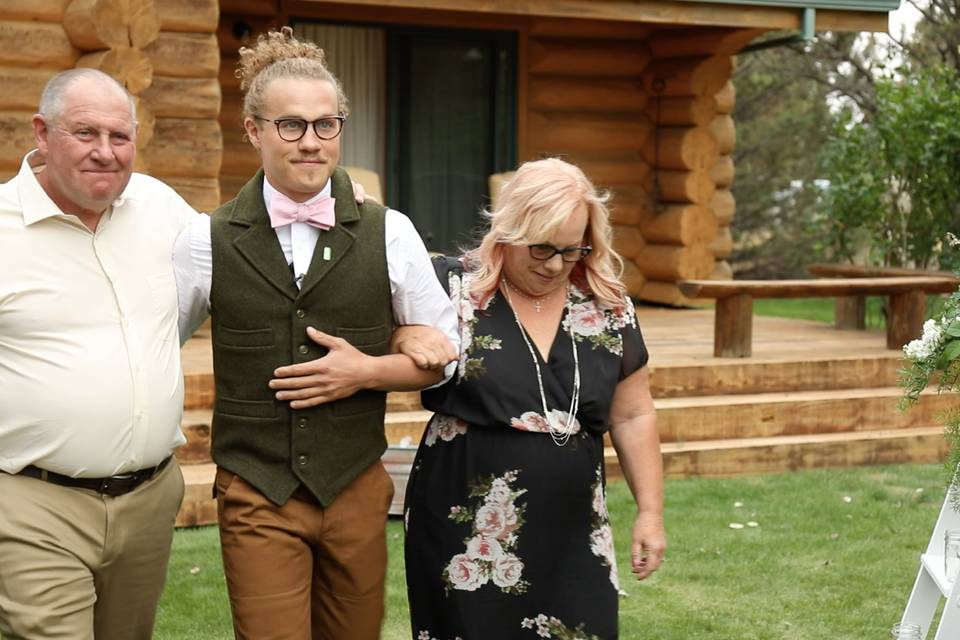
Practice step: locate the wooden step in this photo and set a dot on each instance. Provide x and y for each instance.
(758, 375)
(406, 427)
(795, 413)
(742, 456)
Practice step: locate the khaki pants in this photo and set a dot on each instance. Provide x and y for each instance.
(301, 571)
(75, 565)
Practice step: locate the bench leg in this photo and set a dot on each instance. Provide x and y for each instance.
(733, 327)
(850, 312)
(905, 318)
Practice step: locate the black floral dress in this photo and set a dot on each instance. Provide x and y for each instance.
(507, 532)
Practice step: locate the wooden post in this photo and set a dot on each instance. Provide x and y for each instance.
(905, 318)
(850, 312)
(733, 326)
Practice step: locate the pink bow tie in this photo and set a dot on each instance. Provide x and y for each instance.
(319, 213)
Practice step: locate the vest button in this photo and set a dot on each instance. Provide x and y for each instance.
(302, 423)
(301, 313)
(303, 349)
(302, 461)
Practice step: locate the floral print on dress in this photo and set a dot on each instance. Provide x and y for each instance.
(466, 304)
(601, 536)
(425, 635)
(597, 324)
(533, 421)
(551, 627)
(445, 428)
(489, 554)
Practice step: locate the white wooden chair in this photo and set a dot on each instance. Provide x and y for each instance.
(931, 583)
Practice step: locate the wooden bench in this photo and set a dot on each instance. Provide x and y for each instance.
(733, 323)
(850, 312)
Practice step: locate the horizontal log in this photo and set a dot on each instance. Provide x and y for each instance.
(592, 58)
(16, 138)
(97, 24)
(250, 7)
(627, 240)
(231, 110)
(203, 194)
(815, 288)
(35, 10)
(611, 172)
(566, 132)
(688, 76)
(607, 95)
(22, 87)
(692, 41)
(663, 293)
(723, 172)
(679, 224)
(191, 16)
(725, 98)
(185, 55)
(866, 271)
(185, 148)
(724, 132)
(230, 185)
(722, 244)
(576, 28)
(36, 44)
(229, 82)
(239, 157)
(130, 67)
(684, 186)
(723, 206)
(628, 205)
(183, 97)
(681, 148)
(145, 21)
(671, 262)
(697, 111)
(632, 278)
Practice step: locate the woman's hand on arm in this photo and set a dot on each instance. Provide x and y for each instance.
(633, 431)
(429, 348)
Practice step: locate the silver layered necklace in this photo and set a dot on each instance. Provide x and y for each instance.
(559, 432)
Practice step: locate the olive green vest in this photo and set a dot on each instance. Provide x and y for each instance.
(259, 323)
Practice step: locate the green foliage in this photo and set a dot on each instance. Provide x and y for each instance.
(895, 178)
(850, 536)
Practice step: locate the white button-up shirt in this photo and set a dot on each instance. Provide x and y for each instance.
(417, 296)
(90, 378)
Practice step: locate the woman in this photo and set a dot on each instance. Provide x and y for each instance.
(507, 527)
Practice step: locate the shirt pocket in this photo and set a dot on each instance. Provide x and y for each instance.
(244, 338)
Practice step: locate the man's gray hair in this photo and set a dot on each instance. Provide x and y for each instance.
(51, 101)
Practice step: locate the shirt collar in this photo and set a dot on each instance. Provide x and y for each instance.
(36, 205)
(269, 190)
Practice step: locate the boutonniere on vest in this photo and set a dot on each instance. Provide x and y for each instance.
(319, 213)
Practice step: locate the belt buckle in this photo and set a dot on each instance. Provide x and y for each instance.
(114, 486)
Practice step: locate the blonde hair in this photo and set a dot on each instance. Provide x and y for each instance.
(532, 205)
(279, 55)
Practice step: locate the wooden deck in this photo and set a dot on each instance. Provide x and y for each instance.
(810, 396)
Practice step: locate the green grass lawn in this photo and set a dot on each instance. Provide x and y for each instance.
(833, 557)
(821, 309)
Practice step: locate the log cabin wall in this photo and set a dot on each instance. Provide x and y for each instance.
(163, 51)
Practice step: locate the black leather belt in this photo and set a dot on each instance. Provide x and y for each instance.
(112, 486)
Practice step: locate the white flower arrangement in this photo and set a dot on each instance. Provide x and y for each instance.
(936, 356)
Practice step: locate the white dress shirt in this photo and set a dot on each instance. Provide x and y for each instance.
(418, 297)
(90, 379)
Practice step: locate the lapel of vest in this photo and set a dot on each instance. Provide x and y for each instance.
(334, 243)
(258, 242)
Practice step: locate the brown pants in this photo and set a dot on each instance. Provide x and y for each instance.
(301, 571)
(75, 564)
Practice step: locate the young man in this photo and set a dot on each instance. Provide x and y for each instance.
(293, 270)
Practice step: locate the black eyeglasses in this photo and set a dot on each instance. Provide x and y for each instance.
(547, 251)
(292, 129)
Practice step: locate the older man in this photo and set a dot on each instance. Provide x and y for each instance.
(90, 386)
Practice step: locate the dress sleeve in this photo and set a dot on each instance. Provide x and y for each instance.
(635, 354)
